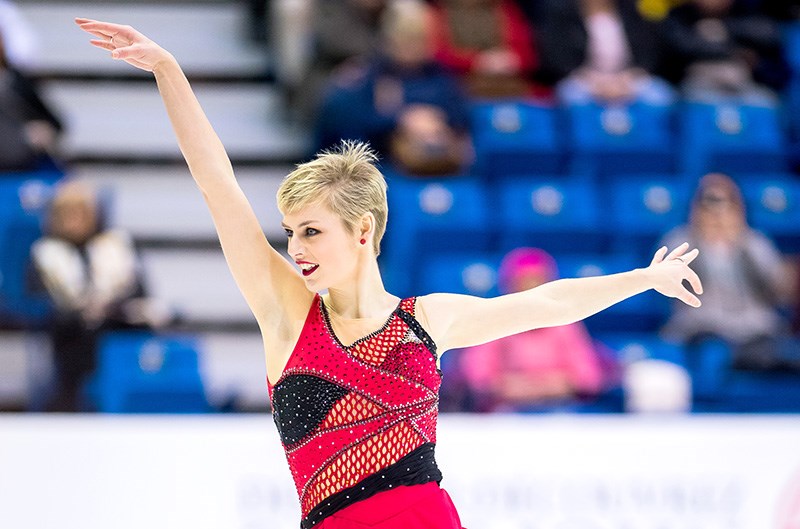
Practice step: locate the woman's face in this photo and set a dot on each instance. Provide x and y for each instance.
(326, 252)
(74, 221)
(714, 7)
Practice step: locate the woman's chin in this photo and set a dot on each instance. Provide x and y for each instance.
(313, 285)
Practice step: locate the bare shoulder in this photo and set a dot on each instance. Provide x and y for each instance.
(434, 303)
(437, 312)
(441, 305)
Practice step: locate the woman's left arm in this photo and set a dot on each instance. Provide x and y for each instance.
(456, 321)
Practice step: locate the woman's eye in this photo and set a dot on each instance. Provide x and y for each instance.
(288, 233)
(311, 231)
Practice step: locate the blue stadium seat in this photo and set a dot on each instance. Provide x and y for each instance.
(730, 138)
(559, 216)
(642, 313)
(792, 108)
(792, 46)
(516, 137)
(644, 208)
(773, 205)
(460, 273)
(139, 372)
(633, 346)
(431, 217)
(760, 393)
(609, 140)
(22, 204)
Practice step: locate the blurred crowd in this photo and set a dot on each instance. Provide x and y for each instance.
(402, 75)
(30, 129)
(55, 245)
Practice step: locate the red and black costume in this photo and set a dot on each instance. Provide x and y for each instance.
(359, 420)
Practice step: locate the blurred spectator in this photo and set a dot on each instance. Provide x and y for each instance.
(601, 50)
(343, 30)
(18, 36)
(778, 9)
(489, 43)
(743, 280)
(656, 9)
(29, 129)
(257, 21)
(717, 52)
(94, 280)
(657, 386)
(542, 367)
(402, 102)
(796, 300)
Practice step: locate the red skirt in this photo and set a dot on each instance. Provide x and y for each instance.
(416, 507)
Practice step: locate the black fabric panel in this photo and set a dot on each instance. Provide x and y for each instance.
(416, 468)
(301, 403)
(423, 336)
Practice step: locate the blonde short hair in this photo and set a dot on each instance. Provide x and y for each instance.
(345, 180)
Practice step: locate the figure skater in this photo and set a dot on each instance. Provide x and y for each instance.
(353, 374)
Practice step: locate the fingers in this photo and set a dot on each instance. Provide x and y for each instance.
(691, 256)
(678, 251)
(106, 29)
(99, 35)
(105, 44)
(659, 256)
(694, 280)
(689, 298)
(116, 53)
(98, 29)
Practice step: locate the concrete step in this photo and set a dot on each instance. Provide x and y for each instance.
(161, 204)
(208, 39)
(127, 122)
(196, 283)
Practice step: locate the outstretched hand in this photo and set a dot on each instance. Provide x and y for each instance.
(669, 271)
(124, 43)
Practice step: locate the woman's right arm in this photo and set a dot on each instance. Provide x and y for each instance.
(272, 287)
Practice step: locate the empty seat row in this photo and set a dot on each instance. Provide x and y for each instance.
(520, 138)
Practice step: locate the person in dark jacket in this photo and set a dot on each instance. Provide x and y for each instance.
(28, 127)
(402, 102)
(600, 50)
(719, 50)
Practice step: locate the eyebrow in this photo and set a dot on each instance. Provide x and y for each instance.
(304, 223)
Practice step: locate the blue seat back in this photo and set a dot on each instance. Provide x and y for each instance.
(140, 372)
(644, 208)
(616, 139)
(460, 273)
(633, 346)
(22, 205)
(431, 217)
(558, 216)
(516, 137)
(732, 139)
(773, 205)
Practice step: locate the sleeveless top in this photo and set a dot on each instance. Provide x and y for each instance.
(360, 419)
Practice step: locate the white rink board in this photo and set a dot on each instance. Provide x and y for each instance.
(541, 472)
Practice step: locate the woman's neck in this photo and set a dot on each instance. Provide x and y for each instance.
(364, 297)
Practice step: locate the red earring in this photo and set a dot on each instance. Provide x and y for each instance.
(363, 241)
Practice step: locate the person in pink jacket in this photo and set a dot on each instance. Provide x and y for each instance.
(547, 366)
